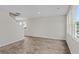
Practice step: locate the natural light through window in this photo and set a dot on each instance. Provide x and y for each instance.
(77, 21)
(21, 22)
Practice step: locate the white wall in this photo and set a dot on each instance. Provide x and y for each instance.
(48, 27)
(73, 42)
(9, 31)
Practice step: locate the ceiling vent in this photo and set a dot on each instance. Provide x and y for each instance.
(14, 14)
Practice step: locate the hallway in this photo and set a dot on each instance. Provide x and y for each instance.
(36, 45)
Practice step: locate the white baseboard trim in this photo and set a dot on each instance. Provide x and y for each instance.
(44, 37)
(10, 42)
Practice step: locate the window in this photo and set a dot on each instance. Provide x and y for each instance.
(24, 24)
(21, 22)
(77, 22)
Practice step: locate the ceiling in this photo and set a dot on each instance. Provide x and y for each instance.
(36, 10)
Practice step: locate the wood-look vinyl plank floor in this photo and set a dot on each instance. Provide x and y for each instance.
(36, 45)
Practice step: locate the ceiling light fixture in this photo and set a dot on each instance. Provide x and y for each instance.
(38, 12)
